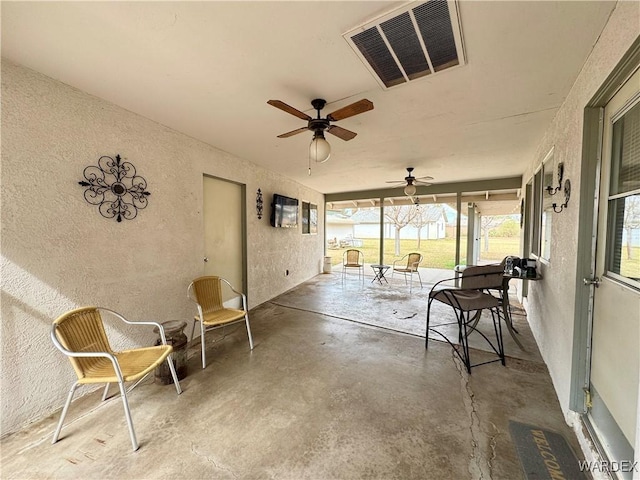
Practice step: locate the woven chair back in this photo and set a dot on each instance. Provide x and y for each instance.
(208, 293)
(353, 257)
(413, 260)
(82, 330)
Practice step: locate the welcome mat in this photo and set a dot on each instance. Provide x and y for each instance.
(544, 454)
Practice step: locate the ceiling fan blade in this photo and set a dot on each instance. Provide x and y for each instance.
(360, 106)
(426, 178)
(421, 183)
(342, 133)
(397, 182)
(293, 132)
(289, 109)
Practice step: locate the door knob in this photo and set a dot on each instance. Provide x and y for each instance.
(595, 281)
(206, 259)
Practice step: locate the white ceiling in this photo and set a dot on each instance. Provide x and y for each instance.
(207, 69)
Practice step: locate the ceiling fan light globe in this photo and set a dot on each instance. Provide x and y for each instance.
(410, 190)
(323, 161)
(319, 150)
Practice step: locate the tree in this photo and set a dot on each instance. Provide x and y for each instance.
(488, 223)
(420, 219)
(631, 220)
(509, 228)
(400, 216)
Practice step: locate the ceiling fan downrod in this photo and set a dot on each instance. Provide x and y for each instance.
(318, 125)
(318, 104)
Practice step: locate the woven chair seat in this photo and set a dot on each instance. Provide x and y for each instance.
(220, 317)
(134, 364)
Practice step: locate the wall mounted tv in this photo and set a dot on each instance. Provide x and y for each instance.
(284, 211)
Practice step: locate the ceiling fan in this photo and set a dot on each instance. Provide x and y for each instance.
(320, 150)
(411, 182)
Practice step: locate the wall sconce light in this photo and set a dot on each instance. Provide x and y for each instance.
(259, 204)
(567, 195)
(553, 190)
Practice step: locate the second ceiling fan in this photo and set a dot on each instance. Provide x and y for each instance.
(411, 182)
(320, 150)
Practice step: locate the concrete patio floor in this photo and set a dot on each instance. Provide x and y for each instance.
(334, 389)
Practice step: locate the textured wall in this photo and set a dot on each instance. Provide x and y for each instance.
(551, 301)
(59, 253)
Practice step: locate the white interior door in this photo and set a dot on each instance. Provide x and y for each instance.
(615, 355)
(223, 230)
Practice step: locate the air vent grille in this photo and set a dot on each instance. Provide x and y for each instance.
(404, 41)
(434, 23)
(410, 43)
(375, 51)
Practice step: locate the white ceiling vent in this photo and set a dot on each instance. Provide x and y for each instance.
(411, 42)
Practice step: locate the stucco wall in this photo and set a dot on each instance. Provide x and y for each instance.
(551, 301)
(59, 253)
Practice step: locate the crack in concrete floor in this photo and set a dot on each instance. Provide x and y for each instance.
(479, 463)
(212, 461)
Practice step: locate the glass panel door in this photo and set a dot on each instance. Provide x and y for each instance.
(615, 350)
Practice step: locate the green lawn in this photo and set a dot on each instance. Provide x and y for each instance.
(437, 253)
(441, 253)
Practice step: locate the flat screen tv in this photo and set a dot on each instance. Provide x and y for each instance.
(284, 211)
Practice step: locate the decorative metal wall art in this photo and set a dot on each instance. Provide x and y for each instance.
(551, 190)
(116, 188)
(259, 204)
(567, 196)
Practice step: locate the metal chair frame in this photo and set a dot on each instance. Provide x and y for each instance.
(468, 303)
(232, 315)
(112, 357)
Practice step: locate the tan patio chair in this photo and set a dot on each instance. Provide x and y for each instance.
(81, 336)
(408, 265)
(353, 258)
(206, 292)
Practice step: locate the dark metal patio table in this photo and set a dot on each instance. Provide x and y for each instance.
(379, 271)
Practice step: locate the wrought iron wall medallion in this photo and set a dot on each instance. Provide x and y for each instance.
(116, 188)
(259, 204)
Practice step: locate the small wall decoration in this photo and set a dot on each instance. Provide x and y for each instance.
(116, 188)
(309, 218)
(259, 204)
(567, 196)
(313, 218)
